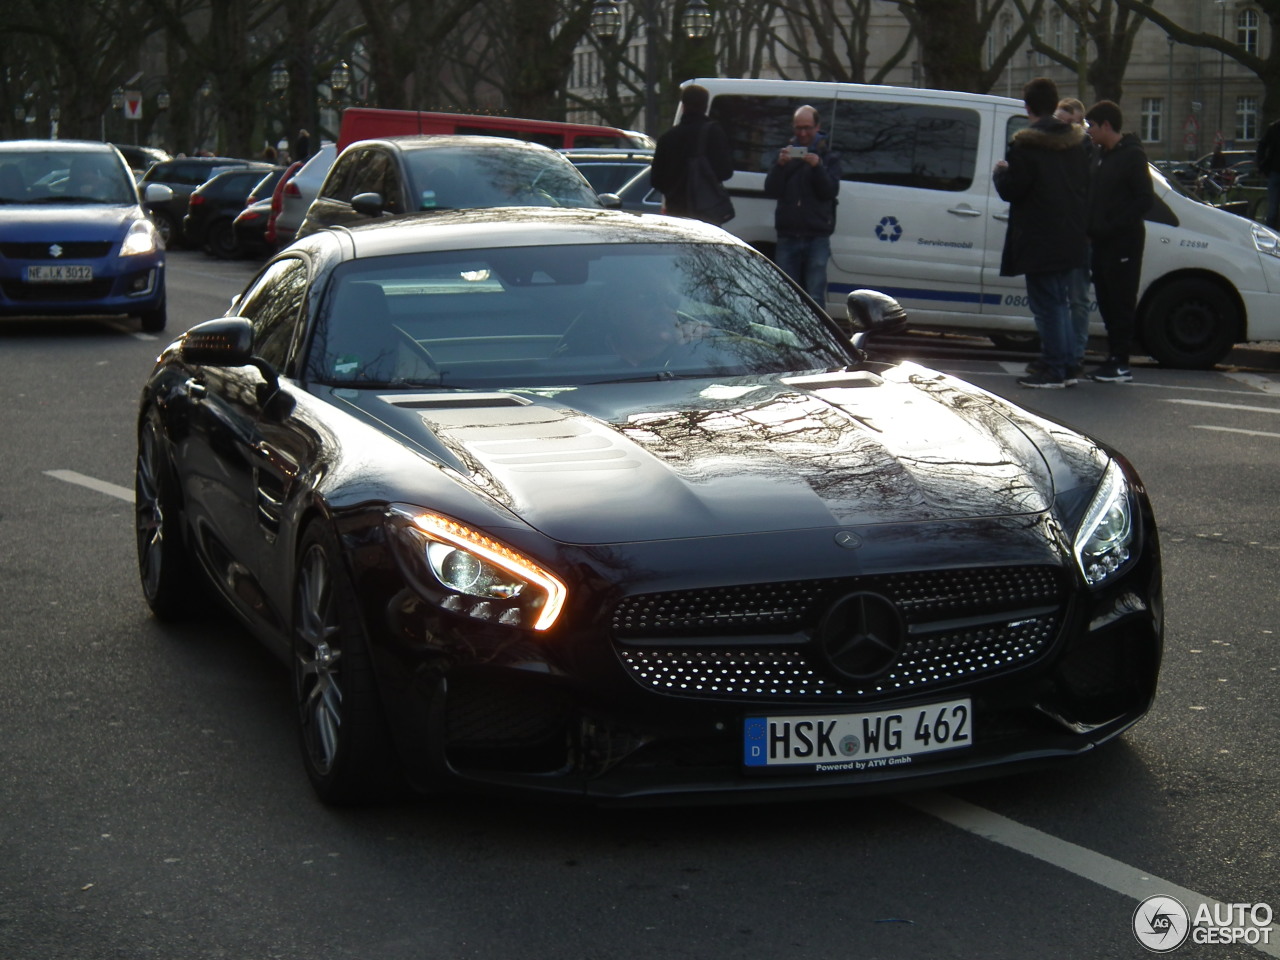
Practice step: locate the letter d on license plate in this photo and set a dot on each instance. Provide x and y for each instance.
(857, 741)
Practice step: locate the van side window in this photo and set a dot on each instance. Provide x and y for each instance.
(927, 146)
(759, 126)
(1016, 123)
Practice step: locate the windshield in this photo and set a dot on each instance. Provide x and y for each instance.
(54, 176)
(449, 178)
(531, 316)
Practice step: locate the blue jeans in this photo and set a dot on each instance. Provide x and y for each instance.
(804, 260)
(1078, 341)
(1050, 297)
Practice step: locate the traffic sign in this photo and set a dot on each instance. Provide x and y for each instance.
(133, 105)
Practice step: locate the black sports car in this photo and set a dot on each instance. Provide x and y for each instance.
(598, 504)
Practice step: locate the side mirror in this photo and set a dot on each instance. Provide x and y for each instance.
(228, 342)
(610, 201)
(368, 204)
(157, 193)
(225, 342)
(873, 312)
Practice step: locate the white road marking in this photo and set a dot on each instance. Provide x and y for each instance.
(1251, 433)
(1099, 868)
(1256, 380)
(110, 489)
(1226, 406)
(1096, 867)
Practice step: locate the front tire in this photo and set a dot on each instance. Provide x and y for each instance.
(1190, 323)
(153, 321)
(343, 735)
(170, 580)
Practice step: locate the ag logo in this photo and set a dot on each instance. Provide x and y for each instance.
(1161, 924)
(889, 229)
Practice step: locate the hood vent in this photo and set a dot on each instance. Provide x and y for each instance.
(454, 401)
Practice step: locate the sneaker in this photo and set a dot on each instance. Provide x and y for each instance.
(1036, 366)
(1041, 381)
(1112, 372)
(1075, 373)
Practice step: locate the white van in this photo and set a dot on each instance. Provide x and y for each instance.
(918, 218)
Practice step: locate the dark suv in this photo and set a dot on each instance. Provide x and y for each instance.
(183, 175)
(401, 175)
(215, 204)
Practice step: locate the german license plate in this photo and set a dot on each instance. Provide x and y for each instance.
(61, 273)
(857, 741)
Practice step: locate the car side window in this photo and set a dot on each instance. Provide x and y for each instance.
(337, 185)
(274, 304)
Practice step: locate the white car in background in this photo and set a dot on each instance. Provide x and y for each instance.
(300, 191)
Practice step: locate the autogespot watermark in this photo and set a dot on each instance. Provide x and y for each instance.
(1162, 923)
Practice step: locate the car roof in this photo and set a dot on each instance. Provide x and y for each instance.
(74, 146)
(427, 141)
(513, 227)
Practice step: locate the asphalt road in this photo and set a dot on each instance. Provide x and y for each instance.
(152, 803)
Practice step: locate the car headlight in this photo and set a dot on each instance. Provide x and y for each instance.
(141, 238)
(1104, 542)
(485, 579)
(1265, 240)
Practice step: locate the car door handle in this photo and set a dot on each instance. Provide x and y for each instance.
(195, 389)
(964, 211)
(1002, 217)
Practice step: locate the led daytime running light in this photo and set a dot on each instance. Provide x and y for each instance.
(450, 531)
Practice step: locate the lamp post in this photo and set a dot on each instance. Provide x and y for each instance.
(606, 22)
(1222, 70)
(1169, 153)
(55, 114)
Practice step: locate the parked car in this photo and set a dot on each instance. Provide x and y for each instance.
(598, 505)
(74, 238)
(372, 179)
(214, 205)
(299, 190)
(608, 170)
(182, 175)
(140, 158)
(254, 230)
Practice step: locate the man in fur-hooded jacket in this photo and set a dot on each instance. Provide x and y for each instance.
(1045, 179)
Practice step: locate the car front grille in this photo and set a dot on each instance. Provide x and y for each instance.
(68, 252)
(758, 641)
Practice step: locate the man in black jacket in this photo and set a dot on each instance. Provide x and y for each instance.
(805, 181)
(1119, 198)
(679, 145)
(1045, 179)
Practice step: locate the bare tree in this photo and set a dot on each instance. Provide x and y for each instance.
(1108, 26)
(1266, 65)
(829, 40)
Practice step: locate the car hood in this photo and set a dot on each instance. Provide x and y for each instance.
(632, 462)
(37, 223)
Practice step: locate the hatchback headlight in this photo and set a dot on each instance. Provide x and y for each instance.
(485, 579)
(141, 238)
(1104, 542)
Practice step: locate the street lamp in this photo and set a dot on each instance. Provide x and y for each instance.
(163, 100)
(339, 79)
(606, 23)
(117, 99)
(278, 79)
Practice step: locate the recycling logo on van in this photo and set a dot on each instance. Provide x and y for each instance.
(889, 229)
